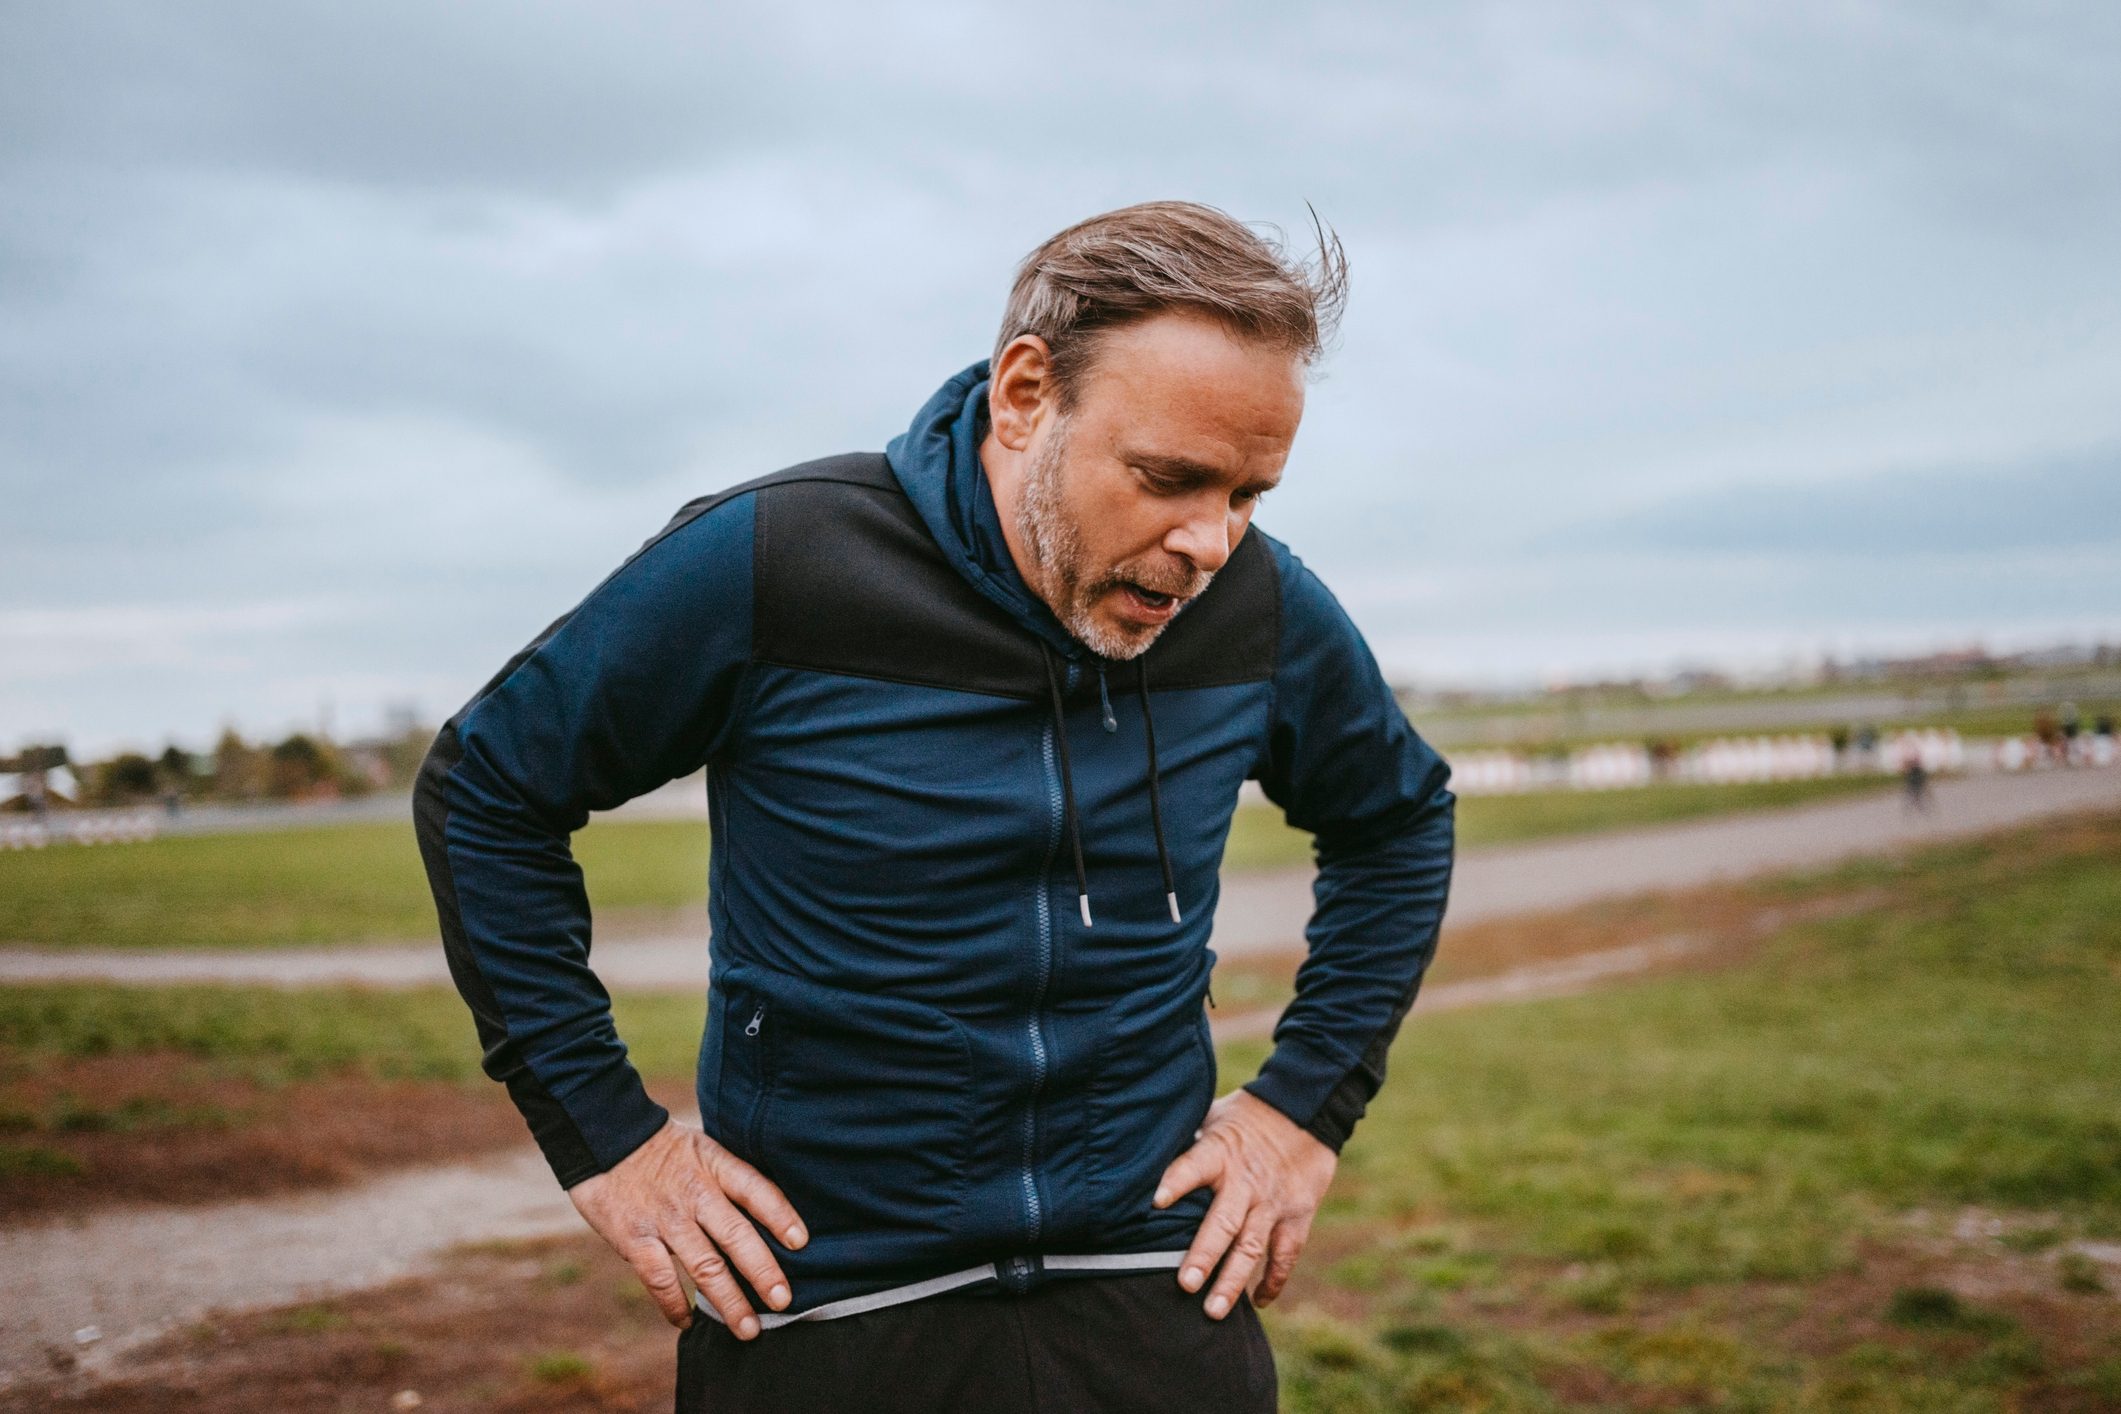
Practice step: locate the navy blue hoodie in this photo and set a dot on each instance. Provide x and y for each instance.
(950, 1012)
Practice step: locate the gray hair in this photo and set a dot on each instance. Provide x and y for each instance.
(1139, 261)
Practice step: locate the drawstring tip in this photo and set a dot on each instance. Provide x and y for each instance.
(1172, 899)
(1084, 900)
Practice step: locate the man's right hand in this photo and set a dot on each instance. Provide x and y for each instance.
(672, 1202)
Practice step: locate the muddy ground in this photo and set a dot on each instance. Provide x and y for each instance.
(162, 1128)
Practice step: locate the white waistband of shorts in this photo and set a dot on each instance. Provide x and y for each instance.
(950, 1281)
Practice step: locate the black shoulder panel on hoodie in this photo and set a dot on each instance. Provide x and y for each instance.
(849, 580)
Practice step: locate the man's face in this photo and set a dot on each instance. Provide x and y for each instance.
(1134, 499)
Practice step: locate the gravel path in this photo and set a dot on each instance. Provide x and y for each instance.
(95, 1287)
(1263, 912)
(90, 1287)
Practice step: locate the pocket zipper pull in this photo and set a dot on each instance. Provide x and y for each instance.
(756, 1017)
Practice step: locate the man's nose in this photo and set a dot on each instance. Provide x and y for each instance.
(1202, 537)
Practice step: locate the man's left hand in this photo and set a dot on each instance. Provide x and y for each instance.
(1269, 1176)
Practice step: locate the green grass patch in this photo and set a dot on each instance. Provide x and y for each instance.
(36, 1161)
(325, 884)
(308, 1320)
(1507, 819)
(276, 1035)
(69, 1114)
(1934, 1308)
(561, 1367)
(2079, 1274)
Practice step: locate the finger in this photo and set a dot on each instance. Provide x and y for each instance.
(1283, 1248)
(1245, 1257)
(651, 1262)
(710, 1272)
(741, 1244)
(1198, 1166)
(761, 1197)
(1225, 1219)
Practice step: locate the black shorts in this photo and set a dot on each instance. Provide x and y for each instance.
(1111, 1342)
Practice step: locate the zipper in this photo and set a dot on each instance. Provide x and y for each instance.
(1034, 1216)
(755, 1122)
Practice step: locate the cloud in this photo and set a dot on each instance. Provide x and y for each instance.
(47, 643)
(431, 312)
(2070, 503)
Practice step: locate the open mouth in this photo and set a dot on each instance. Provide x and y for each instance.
(1148, 603)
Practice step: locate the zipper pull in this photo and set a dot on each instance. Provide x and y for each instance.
(1211, 999)
(756, 1017)
(1104, 700)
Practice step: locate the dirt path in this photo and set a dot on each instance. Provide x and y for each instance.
(1265, 912)
(1562, 978)
(94, 1287)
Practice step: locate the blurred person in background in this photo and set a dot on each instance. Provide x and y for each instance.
(1915, 778)
(975, 713)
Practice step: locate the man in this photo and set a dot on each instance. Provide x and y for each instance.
(974, 714)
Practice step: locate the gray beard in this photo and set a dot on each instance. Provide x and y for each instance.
(1055, 544)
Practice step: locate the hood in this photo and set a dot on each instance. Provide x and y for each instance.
(937, 463)
(938, 466)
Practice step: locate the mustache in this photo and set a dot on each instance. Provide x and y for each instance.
(1178, 579)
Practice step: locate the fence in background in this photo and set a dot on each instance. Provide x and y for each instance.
(1733, 760)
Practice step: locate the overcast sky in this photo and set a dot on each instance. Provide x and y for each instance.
(344, 346)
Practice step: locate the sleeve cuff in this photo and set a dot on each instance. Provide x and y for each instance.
(1297, 1080)
(615, 1116)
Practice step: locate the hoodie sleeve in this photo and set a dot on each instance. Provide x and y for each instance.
(632, 688)
(1344, 763)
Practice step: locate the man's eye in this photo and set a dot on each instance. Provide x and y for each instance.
(1161, 485)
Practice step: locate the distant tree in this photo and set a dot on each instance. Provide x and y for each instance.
(124, 779)
(239, 768)
(178, 768)
(179, 771)
(301, 767)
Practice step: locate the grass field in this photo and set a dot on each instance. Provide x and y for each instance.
(1845, 1175)
(1871, 1161)
(327, 884)
(361, 883)
(274, 1036)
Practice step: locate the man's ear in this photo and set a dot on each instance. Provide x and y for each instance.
(1020, 391)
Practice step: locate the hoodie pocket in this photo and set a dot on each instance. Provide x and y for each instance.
(1151, 1095)
(855, 1104)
